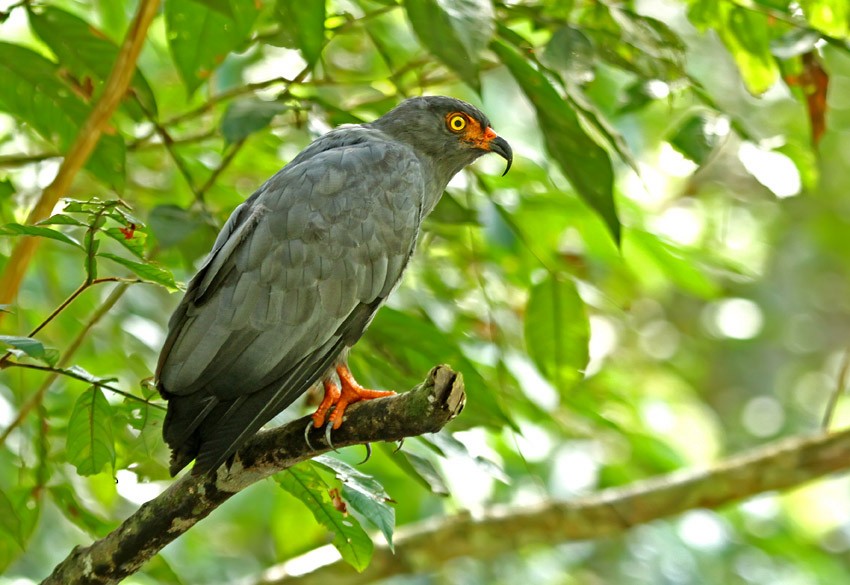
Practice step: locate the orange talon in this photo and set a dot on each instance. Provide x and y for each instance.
(331, 398)
(350, 393)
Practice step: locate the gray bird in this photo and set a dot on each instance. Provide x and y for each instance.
(299, 270)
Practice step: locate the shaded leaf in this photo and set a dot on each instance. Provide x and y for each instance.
(148, 271)
(305, 483)
(171, 224)
(449, 210)
(693, 140)
(557, 331)
(17, 229)
(585, 163)
(244, 117)
(90, 445)
(7, 189)
(31, 347)
(200, 38)
(419, 469)
(570, 53)
(10, 522)
(435, 346)
(86, 52)
(303, 26)
(455, 31)
(40, 98)
(364, 494)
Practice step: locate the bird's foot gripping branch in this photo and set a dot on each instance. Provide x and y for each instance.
(424, 409)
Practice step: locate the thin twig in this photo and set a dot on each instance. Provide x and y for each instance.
(840, 387)
(225, 162)
(82, 378)
(37, 398)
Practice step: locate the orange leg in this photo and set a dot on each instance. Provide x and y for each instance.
(331, 398)
(351, 392)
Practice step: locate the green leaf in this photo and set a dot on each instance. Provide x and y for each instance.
(90, 445)
(450, 211)
(86, 52)
(419, 469)
(7, 189)
(364, 494)
(571, 54)
(557, 331)
(692, 139)
(17, 229)
(49, 105)
(829, 16)
(10, 522)
(585, 163)
(455, 31)
(677, 264)
(200, 38)
(86, 376)
(433, 346)
(303, 26)
(133, 238)
(449, 445)
(61, 219)
(148, 271)
(305, 483)
(746, 35)
(244, 117)
(31, 347)
(171, 224)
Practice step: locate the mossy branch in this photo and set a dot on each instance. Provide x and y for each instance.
(424, 409)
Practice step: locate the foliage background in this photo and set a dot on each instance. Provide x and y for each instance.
(709, 137)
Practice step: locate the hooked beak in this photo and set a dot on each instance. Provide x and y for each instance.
(501, 147)
(495, 143)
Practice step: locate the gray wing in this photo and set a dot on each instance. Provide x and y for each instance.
(294, 278)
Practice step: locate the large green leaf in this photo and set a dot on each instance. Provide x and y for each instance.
(456, 31)
(17, 229)
(433, 346)
(305, 483)
(746, 35)
(43, 100)
(31, 347)
(303, 26)
(200, 37)
(90, 444)
(244, 117)
(86, 52)
(829, 16)
(557, 331)
(364, 494)
(147, 271)
(585, 163)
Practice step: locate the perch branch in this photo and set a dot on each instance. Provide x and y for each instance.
(418, 549)
(425, 409)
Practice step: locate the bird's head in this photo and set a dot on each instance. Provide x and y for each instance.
(450, 131)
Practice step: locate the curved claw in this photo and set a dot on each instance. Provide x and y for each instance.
(400, 444)
(328, 428)
(368, 453)
(307, 436)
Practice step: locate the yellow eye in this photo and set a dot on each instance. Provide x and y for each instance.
(457, 123)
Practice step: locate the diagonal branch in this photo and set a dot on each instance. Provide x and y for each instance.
(425, 409)
(87, 138)
(777, 466)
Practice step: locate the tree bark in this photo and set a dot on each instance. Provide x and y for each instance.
(418, 549)
(425, 409)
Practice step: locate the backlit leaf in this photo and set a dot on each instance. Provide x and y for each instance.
(303, 24)
(86, 52)
(200, 37)
(456, 31)
(41, 98)
(90, 444)
(557, 331)
(585, 163)
(305, 483)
